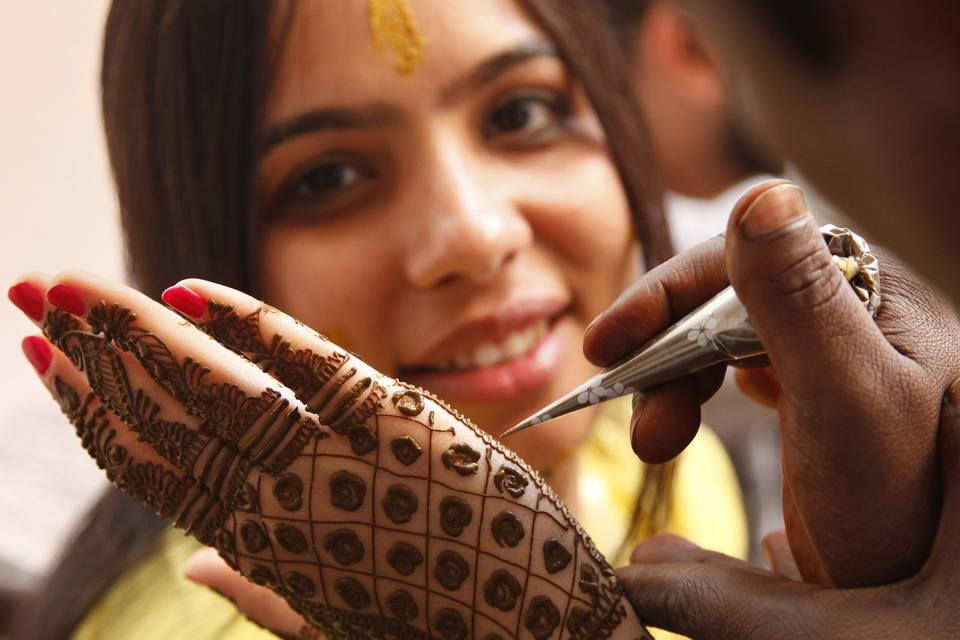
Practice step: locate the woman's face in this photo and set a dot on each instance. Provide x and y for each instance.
(457, 227)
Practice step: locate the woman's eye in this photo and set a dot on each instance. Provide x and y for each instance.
(525, 116)
(326, 181)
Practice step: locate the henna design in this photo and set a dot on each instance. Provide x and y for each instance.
(400, 504)
(507, 529)
(455, 515)
(263, 576)
(402, 605)
(450, 625)
(501, 590)
(542, 617)
(492, 636)
(301, 585)
(353, 593)
(462, 458)
(406, 450)
(555, 556)
(404, 558)
(290, 538)
(254, 537)
(362, 440)
(508, 480)
(589, 582)
(451, 570)
(344, 546)
(347, 491)
(408, 402)
(288, 490)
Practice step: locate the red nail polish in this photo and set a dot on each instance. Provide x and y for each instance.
(38, 352)
(27, 298)
(185, 301)
(65, 297)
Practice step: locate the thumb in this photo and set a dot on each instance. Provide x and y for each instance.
(705, 595)
(944, 562)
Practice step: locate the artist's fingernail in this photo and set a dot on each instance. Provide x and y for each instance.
(66, 297)
(38, 352)
(185, 301)
(27, 298)
(772, 210)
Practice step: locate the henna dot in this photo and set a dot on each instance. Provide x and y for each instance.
(225, 542)
(253, 536)
(288, 490)
(410, 403)
(501, 590)
(455, 515)
(116, 454)
(402, 605)
(347, 491)
(362, 440)
(462, 458)
(577, 620)
(248, 499)
(290, 538)
(451, 570)
(344, 545)
(555, 555)
(301, 585)
(404, 558)
(406, 450)
(400, 504)
(508, 480)
(589, 581)
(261, 575)
(507, 529)
(449, 624)
(353, 593)
(542, 617)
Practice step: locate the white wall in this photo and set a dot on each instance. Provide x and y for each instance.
(57, 211)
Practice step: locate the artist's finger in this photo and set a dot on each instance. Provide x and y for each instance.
(128, 461)
(943, 566)
(658, 298)
(665, 420)
(296, 355)
(233, 401)
(760, 385)
(261, 605)
(776, 549)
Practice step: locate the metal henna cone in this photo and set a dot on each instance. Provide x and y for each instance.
(718, 331)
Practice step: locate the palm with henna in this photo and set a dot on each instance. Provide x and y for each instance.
(374, 509)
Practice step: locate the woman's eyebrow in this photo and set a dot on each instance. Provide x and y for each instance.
(335, 117)
(488, 70)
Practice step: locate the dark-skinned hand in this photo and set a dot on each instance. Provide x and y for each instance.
(858, 398)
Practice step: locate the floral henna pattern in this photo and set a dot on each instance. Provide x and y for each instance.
(311, 518)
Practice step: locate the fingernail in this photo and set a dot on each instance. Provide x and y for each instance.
(38, 352)
(65, 297)
(773, 210)
(27, 298)
(185, 301)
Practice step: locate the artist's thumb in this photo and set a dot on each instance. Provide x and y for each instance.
(809, 319)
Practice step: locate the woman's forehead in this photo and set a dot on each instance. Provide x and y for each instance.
(330, 52)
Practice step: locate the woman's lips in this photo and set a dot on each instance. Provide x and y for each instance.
(503, 381)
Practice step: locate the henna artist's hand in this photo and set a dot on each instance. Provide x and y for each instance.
(371, 507)
(860, 401)
(706, 595)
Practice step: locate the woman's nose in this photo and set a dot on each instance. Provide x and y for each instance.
(469, 229)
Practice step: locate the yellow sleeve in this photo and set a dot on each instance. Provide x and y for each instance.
(153, 601)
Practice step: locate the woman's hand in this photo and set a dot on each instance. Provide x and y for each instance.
(860, 398)
(371, 507)
(680, 587)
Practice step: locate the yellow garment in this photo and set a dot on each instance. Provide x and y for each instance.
(153, 601)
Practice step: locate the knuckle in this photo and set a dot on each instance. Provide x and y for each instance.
(809, 282)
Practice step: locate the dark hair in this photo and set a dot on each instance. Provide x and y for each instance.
(183, 84)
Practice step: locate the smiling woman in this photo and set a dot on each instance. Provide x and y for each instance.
(457, 227)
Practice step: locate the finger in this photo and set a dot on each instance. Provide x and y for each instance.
(943, 565)
(261, 605)
(667, 548)
(665, 420)
(233, 401)
(776, 549)
(131, 464)
(658, 298)
(760, 385)
(313, 367)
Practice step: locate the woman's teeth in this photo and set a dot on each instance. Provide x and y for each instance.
(490, 354)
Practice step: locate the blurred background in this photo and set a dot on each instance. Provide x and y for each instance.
(60, 212)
